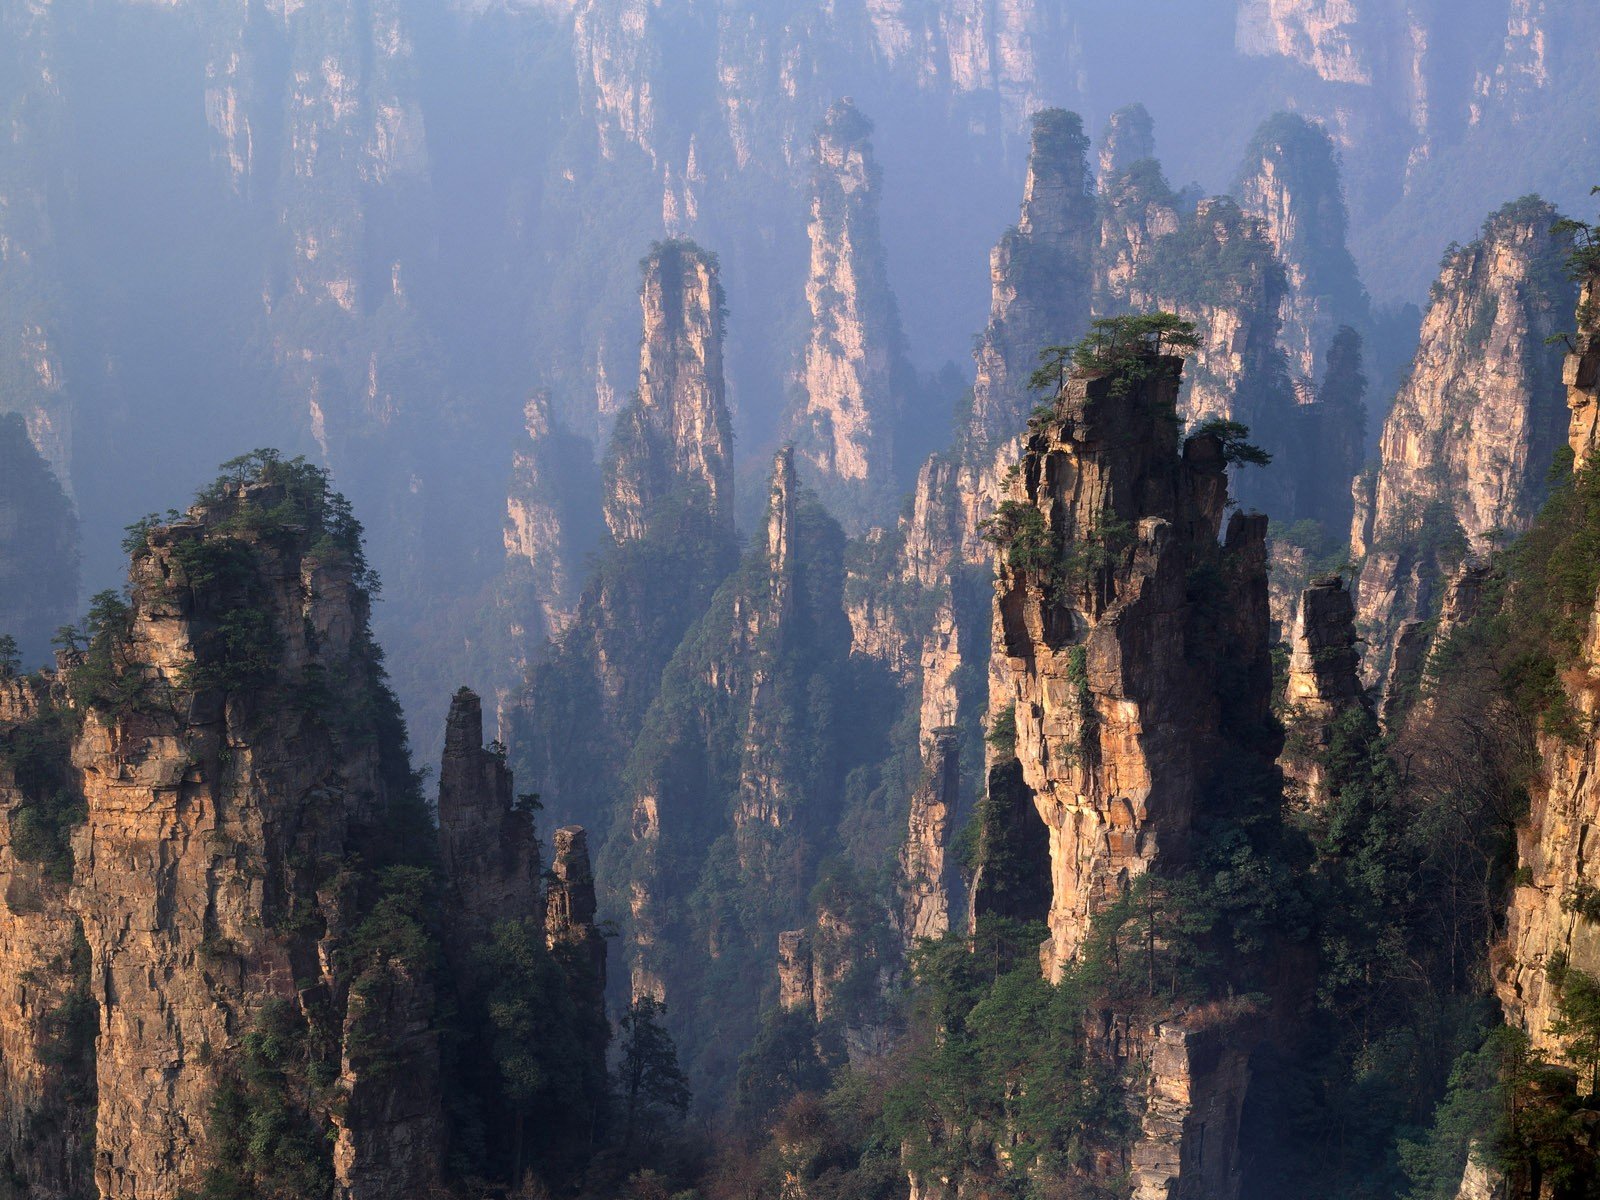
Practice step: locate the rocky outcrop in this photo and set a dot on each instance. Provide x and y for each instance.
(1128, 138)
(1551, 924)
(767, 792)
(855, 379)
(1324, 683)
(1120, 696)
(47, 1017)
(1137, 209)
(796, 986)
(1199, 1073)
(1219, 269)
(1331, 37)
(231, 771)
(551, 514)
(1040, 281)
(1290, 180)
(1581, 374)
(673, 446)
(486, 839)
(924, 873)
(730, 784)
(38, 546)
(1094, 662)
(570, 900)
(1467, 444)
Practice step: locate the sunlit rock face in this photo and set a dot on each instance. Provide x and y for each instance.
(676, 439)
(1547, 923)
(1467, 444)
(205, 872)
(1090, 658)
(855, 380)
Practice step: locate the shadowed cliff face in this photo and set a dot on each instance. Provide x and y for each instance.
(1039, 279)
(1471, 434)
(38, 546)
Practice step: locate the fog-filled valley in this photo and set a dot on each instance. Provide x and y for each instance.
(657, 598)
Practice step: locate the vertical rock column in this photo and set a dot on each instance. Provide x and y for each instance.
(1547, 922)
(1092, 659)
(1039, 275)
(856, 376)
(1324, 681)
(675, 441)
(1467, 444)
(923, 883)
(486, 843)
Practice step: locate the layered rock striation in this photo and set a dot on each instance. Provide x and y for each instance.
(1467, 444)
(673, 446)
(855, 381)
(1098, 663)
(1040, 276)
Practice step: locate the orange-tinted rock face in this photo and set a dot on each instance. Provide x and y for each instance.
(1467, 444)
(1092, 654)
(229, 780)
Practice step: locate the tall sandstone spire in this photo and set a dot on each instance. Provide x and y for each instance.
(674, 444)
(1220, 270)
(232, 773)
(1039, 275)
(1115, 720)
(1121, 699)
(1467, 444)
(855, 376)
(486, 842)
(1290, 180)
(1129, 137)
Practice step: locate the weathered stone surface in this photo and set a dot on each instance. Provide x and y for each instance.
(1324, 682)
(1040, 279)
(675, 441)
(924, 885)
(569, 920)
(1113, 723)
(795, 982)
(1199, 1072)
(205, 871)
(486, 843)
(855, 376)
(1466, 446)
(1559, 874)
(1581, 374)
(47, 1022)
